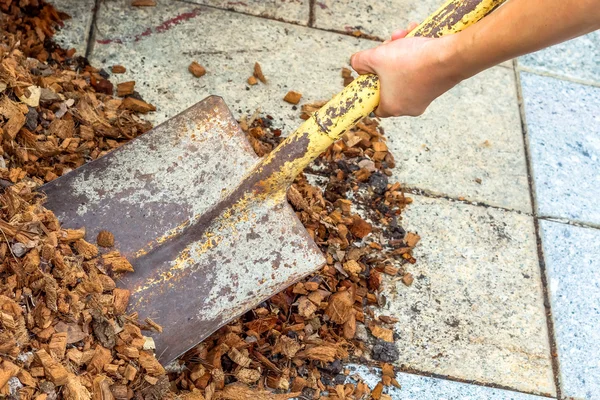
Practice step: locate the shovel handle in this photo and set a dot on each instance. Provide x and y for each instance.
(355, 102)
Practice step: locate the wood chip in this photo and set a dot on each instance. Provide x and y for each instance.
(58, 345)
(340, 308)
(75, 390)
(100, 358)
(125, 88)
(196, 69)
(360, 228)
(326, 353)
(118, 69)
(105, 239)
(408, 279)
(258, 74)
(150, 364)
(382, 333)
(121, 300)
(7, 371)
(143, 3)
(52, 368)
(117, 262)
(129, 103)
(411, 239)
(292, 97)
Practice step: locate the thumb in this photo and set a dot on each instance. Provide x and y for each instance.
(362, 62)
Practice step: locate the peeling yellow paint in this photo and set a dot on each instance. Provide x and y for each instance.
(358, 99)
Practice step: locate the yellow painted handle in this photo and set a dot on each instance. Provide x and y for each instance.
(356, 101)
(361, 97)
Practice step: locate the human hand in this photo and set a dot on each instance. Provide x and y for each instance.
(412, 71)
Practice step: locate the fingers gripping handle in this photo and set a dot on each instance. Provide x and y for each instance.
(361, 97)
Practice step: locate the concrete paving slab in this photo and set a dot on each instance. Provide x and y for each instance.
(76, 32)
(469, 143)
(375, 18)
(563, 126)
(296, 11)
(572, 257)
(417, 387)
(577, 59)
(475, 309)
(157, 45)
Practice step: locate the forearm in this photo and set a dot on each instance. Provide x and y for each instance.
(520, 27)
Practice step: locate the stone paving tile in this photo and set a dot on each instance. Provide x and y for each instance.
(577, 59)
(416, 387)
(286, 10)
(469, 143)
(563, 125)
(157, 45)
(76, 32)
(572, 256)
(475, 310)
(376, 18)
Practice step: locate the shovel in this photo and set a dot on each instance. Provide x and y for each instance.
(202, 219)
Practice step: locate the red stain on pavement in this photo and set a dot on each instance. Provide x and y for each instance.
(163, 27)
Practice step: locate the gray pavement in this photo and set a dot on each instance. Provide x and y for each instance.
(527, 131)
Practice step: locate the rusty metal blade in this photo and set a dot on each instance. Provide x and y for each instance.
(172, 199)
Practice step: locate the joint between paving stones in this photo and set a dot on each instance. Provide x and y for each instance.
(89, 48)
(469, 382)
(311, 13)
(566, 221)
(566, 78)
(543, 273)
(308, 25)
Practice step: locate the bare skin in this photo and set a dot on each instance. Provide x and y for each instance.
(415, 71)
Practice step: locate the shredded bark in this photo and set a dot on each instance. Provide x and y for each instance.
(64, 329)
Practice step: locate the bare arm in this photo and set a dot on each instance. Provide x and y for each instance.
(415, 71)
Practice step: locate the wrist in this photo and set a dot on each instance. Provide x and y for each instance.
(454, 57)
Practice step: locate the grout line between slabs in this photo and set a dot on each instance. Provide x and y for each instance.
(365, 37)
(449, 378)
(429, 194)
(311, 13)
(540, 250)
(92, 33)
(535, 71)
(566, 221)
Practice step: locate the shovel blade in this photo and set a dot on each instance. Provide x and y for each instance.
(165, 197)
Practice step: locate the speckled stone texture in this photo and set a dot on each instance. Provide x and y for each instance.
(572, 257)
(475, 310)
(416, 387)
(469, 143)
(76, 32)
(577, 59)
(157, 45)
(563, 124)
(375, 18)
(296, 11)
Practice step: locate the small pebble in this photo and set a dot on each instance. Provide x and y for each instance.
(18, 249)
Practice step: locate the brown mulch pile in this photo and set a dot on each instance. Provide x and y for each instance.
(63, 328)
(58, 112)
(64, 332)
